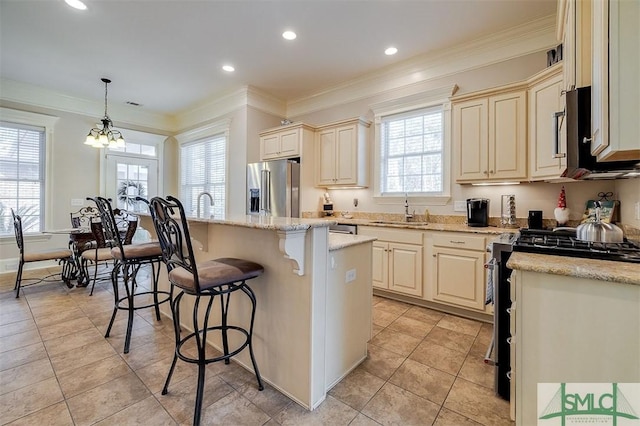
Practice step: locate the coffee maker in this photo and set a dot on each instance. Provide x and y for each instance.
(477, 212)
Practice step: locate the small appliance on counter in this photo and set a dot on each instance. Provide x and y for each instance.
(508, 211)
(535, 219)
(327, 206)
(477, 212)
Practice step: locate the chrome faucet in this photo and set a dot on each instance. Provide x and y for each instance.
(199, 197)
(407, 216)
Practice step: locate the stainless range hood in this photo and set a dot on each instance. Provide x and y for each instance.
(580, 163)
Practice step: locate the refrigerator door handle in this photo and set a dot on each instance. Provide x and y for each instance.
(265, 200)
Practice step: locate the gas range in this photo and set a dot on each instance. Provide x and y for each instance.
(565, 243)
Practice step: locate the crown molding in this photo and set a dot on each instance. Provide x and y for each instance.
(229, 102)
(23, 93)
(535, 36)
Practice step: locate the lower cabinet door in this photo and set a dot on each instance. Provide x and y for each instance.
(405, 268)
(459, 277)
(380, 261)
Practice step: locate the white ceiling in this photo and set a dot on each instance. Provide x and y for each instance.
(167, 55)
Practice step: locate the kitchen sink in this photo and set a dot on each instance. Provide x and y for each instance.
(398, 222)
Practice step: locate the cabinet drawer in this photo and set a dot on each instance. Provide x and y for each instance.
(394, 235)
(461, 241)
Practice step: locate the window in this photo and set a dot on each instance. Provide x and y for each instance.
(203, 169)
(411, 152)
(22, 176)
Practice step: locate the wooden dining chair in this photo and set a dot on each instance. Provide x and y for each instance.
(62, 255)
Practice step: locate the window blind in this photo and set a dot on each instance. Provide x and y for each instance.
(22, 150)
(203, 169)
(412, 152)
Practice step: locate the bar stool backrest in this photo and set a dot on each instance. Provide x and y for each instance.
(127, 222)
(173, 234)
(109, 225)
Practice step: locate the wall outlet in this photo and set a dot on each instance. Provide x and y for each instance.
(638, 210)
(350, 275)
(77, 202)
(459, 206)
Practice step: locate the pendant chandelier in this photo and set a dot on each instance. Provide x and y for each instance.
(105, 137)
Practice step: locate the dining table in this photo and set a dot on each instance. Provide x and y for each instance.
(79, 241)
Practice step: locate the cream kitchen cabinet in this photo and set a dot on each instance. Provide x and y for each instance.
(615, 88)
(457, 270)
(490, 135)
(397, 260)
(341, 154)
(571, 330)
(547, 145)
(285, 141)
(573, 30)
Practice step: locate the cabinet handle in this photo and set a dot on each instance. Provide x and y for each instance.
(490, 172)
(509, 374)
(508, 311)
(556, 131)
(485, 172)
(456, 242)
(587, 140)
(434, 255)
(509, 340)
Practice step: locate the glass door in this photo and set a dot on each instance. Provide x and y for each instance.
(129, 177)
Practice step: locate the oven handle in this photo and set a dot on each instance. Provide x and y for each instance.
(487, 357)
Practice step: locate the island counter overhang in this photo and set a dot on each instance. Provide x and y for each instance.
(311, 327)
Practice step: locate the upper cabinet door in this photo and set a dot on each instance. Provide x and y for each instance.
(284, 142)
(615, 90)
(346, 154)
(470, 135)
(325, 163)
(546, 99)
(341, 154)
(490, 137)
(508, 136)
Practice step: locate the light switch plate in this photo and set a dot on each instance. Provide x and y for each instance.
(350, 275)
(77, 202)
(459, 206)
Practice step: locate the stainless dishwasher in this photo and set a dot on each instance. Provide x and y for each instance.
(343, 228)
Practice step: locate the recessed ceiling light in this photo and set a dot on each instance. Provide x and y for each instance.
(289, 35)
(228, 68)
(390, 51)
(76, 4)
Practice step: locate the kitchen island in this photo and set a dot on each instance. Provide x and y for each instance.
(574, 320)
(313, 317)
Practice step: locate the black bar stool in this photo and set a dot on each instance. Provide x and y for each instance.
(213, 278)
(129, 259)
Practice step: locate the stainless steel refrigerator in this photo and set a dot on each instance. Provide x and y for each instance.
(273, 188)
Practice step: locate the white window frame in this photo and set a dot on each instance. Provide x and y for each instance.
(48, 123)
(417, 101)
(213, 129)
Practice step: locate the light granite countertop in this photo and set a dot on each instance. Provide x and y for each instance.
(340, 241)
(603, 270)
(421, 226)
(266, 222)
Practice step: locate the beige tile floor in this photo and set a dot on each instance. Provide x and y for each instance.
(56, 368)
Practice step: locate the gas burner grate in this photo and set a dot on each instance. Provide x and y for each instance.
(565, 243)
